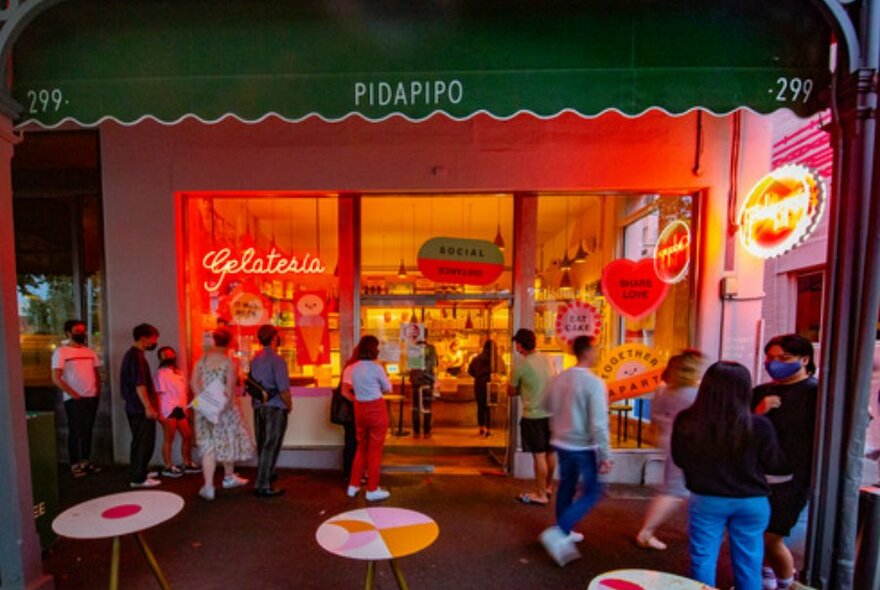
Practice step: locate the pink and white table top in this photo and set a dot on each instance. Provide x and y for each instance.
(377, 533)
(117, 514)
(637, 579)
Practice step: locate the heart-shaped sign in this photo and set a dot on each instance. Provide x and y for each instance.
(633, 289)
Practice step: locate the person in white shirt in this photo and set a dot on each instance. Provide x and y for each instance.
(364, 383)
(578, 403)
(75, 372)
(173, 392)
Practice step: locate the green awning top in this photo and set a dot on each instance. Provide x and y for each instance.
(91, 60)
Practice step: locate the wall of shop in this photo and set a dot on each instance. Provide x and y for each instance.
(144, 165)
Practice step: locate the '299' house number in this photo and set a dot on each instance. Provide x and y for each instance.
(45, 100)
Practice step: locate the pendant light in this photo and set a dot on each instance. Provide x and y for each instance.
(565, 263)
(565, 282)
(401, 272)
(581, 255)
(499, 239)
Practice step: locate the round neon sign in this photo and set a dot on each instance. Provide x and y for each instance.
(781, 211)
(672, 254)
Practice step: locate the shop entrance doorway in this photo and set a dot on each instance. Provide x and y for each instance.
(441, 419)
(435, 286)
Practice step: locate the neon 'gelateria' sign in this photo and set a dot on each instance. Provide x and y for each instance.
(223, 262)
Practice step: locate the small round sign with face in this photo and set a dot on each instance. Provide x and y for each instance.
(781, 211)
(672, 253)
(630, 370)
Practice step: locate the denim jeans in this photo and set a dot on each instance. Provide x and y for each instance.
(745, 520)
(270, 424)
(576, 466)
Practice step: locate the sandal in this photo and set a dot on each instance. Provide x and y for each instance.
(651, 542)
(528, 498)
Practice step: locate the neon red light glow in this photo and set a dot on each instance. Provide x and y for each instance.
(222, 262)
(781, 211)
(672, 254)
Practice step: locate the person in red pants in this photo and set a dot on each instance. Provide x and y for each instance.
(364, 382)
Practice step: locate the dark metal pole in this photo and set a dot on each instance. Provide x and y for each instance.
(849, 328)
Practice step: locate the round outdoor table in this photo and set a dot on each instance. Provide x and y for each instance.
(117, 515)
(635, 579)
(374, 534)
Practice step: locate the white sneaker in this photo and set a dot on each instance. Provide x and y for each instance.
(206, 493)
(575, 537)
(377, 495)
(147, 483)
(352, 491)
(153, 474)
(768, 578)
(559, 546)
(233, 481)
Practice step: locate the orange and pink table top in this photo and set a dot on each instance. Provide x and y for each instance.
(377, 533)
(117, 514)
(638, 579)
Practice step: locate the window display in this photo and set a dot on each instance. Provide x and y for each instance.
(256, 259)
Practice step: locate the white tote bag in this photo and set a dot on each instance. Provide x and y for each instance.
(211, 401)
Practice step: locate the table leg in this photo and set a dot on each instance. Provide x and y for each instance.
(640, 409)
(114, 565)
(371, 574)
(151, 559)
(398, 575)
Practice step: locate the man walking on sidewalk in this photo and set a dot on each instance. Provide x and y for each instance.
(578, 403)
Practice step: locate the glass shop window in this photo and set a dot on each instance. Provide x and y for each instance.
(255, 259)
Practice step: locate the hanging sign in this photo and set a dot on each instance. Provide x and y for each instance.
(461, 261)
(312, 328)
(411, 333)
(630, 370)
(672, 253)
(781, 211)
(632, 288)
(224, 261)
(577, 319)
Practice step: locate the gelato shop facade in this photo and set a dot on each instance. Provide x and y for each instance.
(442, 173)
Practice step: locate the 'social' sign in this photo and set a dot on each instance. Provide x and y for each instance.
(461, 261)
(672, 254)
(781, 210)
(632, 288)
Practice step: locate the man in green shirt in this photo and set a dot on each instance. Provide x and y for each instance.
(531, 379)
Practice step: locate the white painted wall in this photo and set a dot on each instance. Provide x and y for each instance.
(144, 165)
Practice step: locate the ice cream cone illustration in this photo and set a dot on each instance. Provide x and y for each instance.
(311, 325)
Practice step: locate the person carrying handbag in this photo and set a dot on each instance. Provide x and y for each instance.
(270, 413)
(342, 413)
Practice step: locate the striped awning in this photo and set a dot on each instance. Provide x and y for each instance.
(88, 61)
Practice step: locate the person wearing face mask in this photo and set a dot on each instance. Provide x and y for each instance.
(790, 403)
(75, 373)
(172, 390)
(139, 394)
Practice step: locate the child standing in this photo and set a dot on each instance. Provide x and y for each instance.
(171, 387)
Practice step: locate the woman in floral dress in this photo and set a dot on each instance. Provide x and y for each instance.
(228, 440)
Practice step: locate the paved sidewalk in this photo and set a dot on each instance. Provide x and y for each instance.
(487, 539)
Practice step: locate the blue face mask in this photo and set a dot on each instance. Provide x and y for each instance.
(780, 370)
